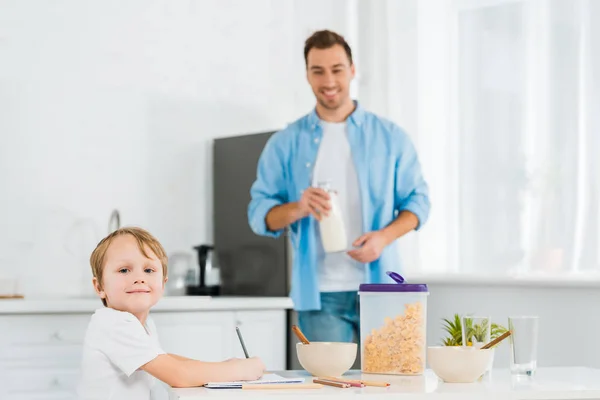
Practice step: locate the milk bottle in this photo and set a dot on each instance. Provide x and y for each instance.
(333, 231)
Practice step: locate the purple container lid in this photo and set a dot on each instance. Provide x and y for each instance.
(399, 286)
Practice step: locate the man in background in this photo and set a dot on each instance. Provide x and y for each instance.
(372, 165)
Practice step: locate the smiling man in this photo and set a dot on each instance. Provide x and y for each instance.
(372, 165)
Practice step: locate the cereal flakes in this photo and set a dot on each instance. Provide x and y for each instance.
(398, 347)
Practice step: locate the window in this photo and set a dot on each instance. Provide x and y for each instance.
(508, 131)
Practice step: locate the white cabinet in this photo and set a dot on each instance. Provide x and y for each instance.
(40, 353)
(34, 383)
(203, 336)
(211, 336)
(263, 333)
(42, 337)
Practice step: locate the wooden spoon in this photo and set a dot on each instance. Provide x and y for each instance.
(300, 335)
(496, 341)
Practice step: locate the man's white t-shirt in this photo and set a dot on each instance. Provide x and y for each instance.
(116, 345)
(338, 272)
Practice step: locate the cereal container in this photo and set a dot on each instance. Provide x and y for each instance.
(393, 324)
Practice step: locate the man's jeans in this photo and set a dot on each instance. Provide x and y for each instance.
(337, 321)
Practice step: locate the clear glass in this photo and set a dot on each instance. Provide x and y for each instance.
(9, 287)
(476, 330)
(523, 344)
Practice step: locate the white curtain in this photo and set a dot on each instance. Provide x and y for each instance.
(507, 127)
(527, 170)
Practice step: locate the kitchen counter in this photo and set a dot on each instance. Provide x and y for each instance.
(565, 383)
(67, 305)
(566, 280)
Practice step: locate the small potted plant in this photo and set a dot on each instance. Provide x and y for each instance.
(453, 330)
(454, 336)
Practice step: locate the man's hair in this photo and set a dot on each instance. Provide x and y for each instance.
(143, 238)
(324, 40)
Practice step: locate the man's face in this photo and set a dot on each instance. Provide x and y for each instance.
(329, 73)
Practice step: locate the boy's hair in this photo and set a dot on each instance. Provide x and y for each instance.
(143, 238)
(324, 40)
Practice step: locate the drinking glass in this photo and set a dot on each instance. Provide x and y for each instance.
(476, 330)
(523, 344)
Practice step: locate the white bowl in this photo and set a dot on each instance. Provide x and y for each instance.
(458, 364)
(326, 358)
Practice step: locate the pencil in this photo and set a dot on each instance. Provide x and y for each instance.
(372, 383)
(351, 382)
(332, 383)
(365, 383)
(237, 329)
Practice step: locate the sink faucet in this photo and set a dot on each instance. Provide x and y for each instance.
(115, 218)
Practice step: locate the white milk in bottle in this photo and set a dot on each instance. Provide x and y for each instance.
(333, 231)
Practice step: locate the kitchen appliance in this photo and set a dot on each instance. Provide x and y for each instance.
(181, 274)
(250, 265)
(207, 265)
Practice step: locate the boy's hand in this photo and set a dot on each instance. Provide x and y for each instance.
(247, 369)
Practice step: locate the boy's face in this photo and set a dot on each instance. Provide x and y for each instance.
(130, 281)
(329, 73)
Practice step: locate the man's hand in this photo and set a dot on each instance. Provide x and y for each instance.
(371, 245)
(314, 201)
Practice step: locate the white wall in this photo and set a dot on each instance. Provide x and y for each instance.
(569, 321)
(114, 104)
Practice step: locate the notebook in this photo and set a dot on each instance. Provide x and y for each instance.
(266, 379)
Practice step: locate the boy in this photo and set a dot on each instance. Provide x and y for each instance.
(121, 352)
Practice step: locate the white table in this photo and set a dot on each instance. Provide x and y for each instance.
(565, 383)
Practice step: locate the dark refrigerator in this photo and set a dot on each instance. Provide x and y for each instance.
(250, 265)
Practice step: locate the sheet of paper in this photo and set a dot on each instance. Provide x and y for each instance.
(266, 379)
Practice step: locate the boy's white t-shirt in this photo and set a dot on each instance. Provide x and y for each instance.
(116, 345)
